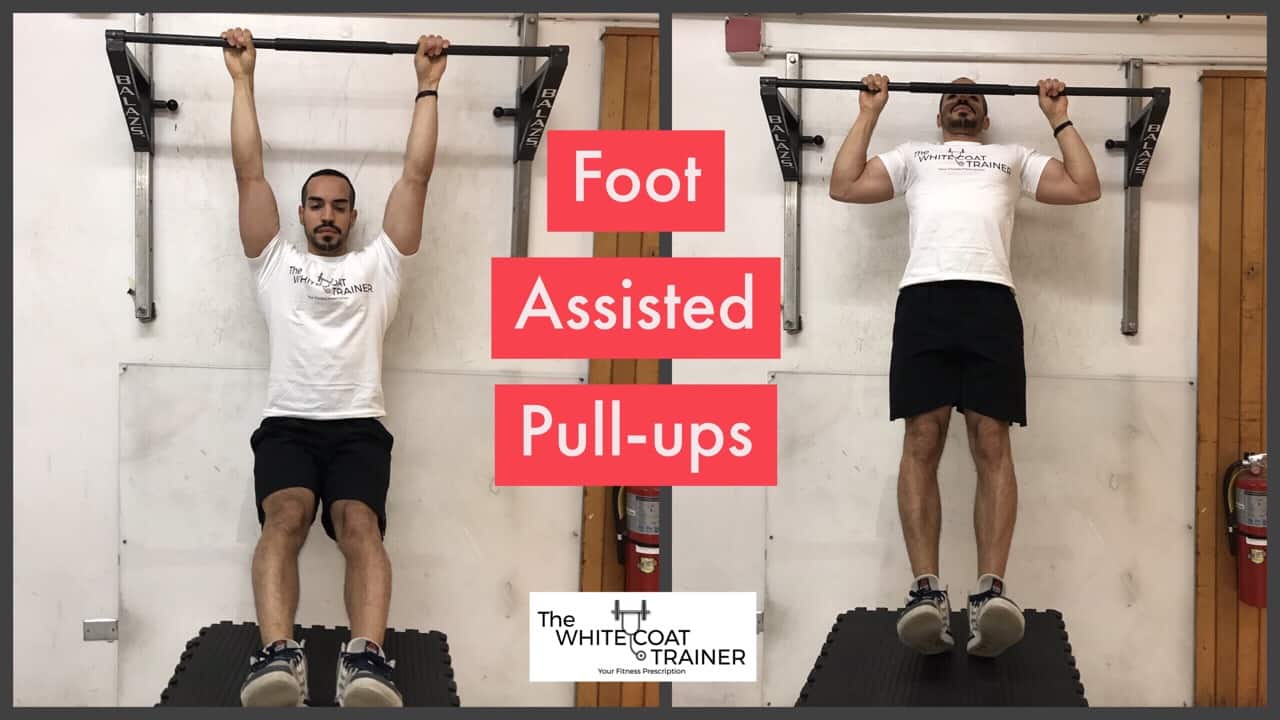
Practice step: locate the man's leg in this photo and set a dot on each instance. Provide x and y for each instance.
(289, 514)
(995, 506)
(924, 622)
(368, 577)
(278, 672)
(355, 498)
(995, 621)
(919, 504)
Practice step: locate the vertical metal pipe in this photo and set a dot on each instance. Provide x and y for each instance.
(1132, 210)
(144, 308)
(791, 320)
(524, 168)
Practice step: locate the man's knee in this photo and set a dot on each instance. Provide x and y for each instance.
(355, 524)
(989, 441)
(288, 513)
(926, 435)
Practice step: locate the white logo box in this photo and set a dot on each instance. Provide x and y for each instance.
(642, 637)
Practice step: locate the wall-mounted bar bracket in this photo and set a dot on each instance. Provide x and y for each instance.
(783, 116)
(1139, 146)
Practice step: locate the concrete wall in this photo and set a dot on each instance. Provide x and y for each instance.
(1067, 262)
(73, 259)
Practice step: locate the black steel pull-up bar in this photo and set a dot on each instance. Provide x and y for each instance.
(533, 101)
(965, 88)
(338, 46)
(784, 122)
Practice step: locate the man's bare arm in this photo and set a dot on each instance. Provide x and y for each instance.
(402, 220)
(854, 179)
(259, 216)
(1074, 179)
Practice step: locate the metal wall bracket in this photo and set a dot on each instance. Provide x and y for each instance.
(537, 92)
(133, 87)
(1139, 146)
(101, 630)
(535, 96)
(782, 115)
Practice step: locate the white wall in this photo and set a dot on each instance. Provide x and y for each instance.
(1067, 262)
(73, 258)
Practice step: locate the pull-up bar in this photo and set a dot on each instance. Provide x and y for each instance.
(337, 46)
(784, 122)
(534, 100)
(965, 88)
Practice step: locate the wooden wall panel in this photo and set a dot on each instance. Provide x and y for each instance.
(628, 101)
(1230, 650)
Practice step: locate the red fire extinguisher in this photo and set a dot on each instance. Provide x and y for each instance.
(637, 536)
(1245, 490)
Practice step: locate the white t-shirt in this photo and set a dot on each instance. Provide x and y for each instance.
(960, 200)
(326, 318)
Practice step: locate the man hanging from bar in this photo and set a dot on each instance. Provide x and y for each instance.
(957, 334)
(327, 309)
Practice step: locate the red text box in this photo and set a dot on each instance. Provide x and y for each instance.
(635, 308)
(635, 180)
(635, 435)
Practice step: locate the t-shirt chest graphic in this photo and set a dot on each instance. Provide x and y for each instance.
(963, 164)
(330, 290)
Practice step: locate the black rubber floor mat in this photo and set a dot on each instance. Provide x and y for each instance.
(215, 662)
(862, 663)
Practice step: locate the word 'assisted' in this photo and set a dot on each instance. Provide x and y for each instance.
(635, 180)
(635, 308)
(698, 312)
(626, 434)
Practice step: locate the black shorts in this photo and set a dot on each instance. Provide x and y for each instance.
(958, 343)
(347, 459)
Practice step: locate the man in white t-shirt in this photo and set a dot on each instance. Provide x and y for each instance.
(327, 307)
(957, 335)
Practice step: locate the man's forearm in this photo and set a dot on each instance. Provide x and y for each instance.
(420, 151)
(852, 157)
(246, 137)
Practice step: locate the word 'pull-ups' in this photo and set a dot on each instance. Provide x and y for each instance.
(635, 181)
(635, 308)
(602, 434)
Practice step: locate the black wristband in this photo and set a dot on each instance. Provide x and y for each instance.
(1062, 127)
(425, 93)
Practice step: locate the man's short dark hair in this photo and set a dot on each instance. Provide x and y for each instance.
(334, 173)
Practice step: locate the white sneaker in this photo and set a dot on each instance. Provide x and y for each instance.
(364, 676)
(924, 625)
(277, 677)
(996, 623)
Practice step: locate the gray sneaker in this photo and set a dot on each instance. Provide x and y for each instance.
(364, 676)
(277, 677)
(924, 625)
(995, 622)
